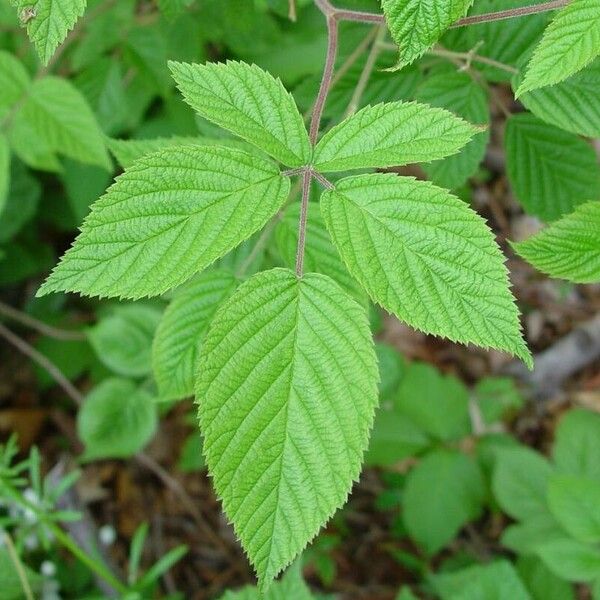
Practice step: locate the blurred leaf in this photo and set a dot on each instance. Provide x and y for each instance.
(443, 492)
(437, 404)
(570, 559)
(577, 444)
(542, 583)
(123, 339)
(117, 420)
(575, 503)
(495, 581)
(520, 482)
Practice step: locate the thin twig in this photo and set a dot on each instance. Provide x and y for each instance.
(363, 80)
(511, 13)
(39, 326)
(366, 17)
(462, 56)
(292, 13)
(43, 362)
(14, 557)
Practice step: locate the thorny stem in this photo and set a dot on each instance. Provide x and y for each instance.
(364, 17)
(306, 178)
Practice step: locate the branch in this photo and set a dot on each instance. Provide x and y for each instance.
(332, 46)
(364, 17)
(521, 11)
(42, 361)
(306, 178)
(39, 326)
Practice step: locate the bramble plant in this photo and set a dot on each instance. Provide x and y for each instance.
(282, 361)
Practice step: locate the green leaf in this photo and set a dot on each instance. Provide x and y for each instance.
(570, 42)
(287, 391)
(182, 207)
(4, 172)
(400, 238)
(248, 102)
(577, 444)
(571, 560)
(505, 41)
(551, 171)
(537, 529)
(62, 120)
(123, 340)
(392, 134)
(575, 503)
(461, 94)
(568, 248)
(319, 256)
(14, 81)
(416, 25)
(572, 105)
(290, 587)
(542, 583)
(520, 481)
(495, 581)
(443, 492)
(497, 396)
(181, 332)
(49, 22)
(128, 151)
(437, 404)
(117, 420)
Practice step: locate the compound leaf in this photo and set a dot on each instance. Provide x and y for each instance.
(167, 217)
(392, 134)
(49, 21)
(551, 171)
(57, 114)
(570, 42)
(416, 25)
(568, 248)
(248, 102)
(425, 256)
(287, 391)
(181, 332)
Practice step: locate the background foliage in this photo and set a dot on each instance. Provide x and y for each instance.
(481, 481)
